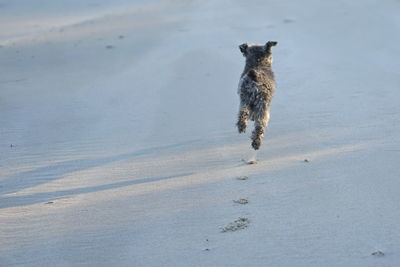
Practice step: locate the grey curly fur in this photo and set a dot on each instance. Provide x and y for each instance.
(256, 88)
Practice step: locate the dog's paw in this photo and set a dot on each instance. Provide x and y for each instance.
(256, 144)
(241, 127)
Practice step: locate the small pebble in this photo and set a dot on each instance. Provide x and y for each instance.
(242, 201)
(250, 162)
(288, 20)
(378, 253)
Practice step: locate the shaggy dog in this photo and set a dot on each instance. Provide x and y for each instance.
(256, 88)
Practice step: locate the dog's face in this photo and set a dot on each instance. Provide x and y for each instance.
(258, 53)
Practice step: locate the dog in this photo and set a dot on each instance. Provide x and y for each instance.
(256, 88)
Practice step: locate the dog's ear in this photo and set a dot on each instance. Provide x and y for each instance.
(269, 45)
(243, 48)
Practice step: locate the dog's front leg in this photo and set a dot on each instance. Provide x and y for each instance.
(260, 124)
(243, 117)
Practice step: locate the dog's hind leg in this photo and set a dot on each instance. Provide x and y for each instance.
(260, 125)
(244, 116)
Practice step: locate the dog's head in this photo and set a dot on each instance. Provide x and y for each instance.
(261, 54)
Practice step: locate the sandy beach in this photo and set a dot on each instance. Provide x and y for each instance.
(118, 144)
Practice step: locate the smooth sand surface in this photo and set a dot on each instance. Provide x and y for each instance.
(118, 144)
